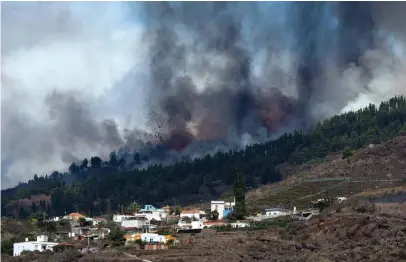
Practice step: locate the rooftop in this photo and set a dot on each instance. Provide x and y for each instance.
(277, 209)
(190, 211)
(214, 223)
(76, 215)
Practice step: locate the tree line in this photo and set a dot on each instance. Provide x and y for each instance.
(98, 186)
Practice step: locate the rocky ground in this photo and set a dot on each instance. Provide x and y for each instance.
(361, 231)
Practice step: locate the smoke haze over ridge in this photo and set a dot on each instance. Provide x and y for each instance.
(83, 79)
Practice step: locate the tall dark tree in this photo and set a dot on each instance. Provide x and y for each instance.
(34, 207)
(23, 214)
(239, 194)
(137, 159)
(84, 164)
(121, 162)
(95, 162)
(74, 169)
(113, 159)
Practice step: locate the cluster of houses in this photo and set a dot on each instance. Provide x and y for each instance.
(143, 225)
(91, 232)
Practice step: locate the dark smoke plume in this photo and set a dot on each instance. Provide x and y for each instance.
(231, 99)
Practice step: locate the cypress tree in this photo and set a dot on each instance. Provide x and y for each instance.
(239, 193)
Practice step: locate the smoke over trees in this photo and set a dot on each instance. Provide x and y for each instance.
(190, 78)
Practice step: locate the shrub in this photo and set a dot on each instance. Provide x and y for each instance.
(363, 207)
(116, 238)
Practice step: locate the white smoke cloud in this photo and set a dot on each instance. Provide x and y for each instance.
(72, 48)
(380, 76)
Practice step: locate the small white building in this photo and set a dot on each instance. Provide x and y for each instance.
(154, 213)
(222, 207)
(98, 220)
(137, 222)
(54, 219)
(40, 245)
(191, 213)
(192, 225)
(153, 238)
(277, 212)
(118, 218)
(341, 199)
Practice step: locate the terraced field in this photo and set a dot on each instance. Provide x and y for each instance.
(380, 166)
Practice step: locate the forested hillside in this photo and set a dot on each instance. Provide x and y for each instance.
(96, 186)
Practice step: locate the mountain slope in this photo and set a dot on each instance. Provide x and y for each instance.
(102, 188)
(370, 168)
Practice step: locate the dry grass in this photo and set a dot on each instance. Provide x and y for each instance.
(349, 236)
(370, 170)
(392, 209)
(383, 191)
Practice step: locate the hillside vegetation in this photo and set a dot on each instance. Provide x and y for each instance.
(377, 168)
(98, 188)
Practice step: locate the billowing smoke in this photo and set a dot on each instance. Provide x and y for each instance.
(83, 79)
(216, 73)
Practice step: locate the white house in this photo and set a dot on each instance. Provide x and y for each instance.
(222, 207)
(192, 225)
(152, 237)
(191, 213)
(136, 222)
(98, 220)
(54, 219)
(153, 213)
(277, 212)
(119, 218)
(40, 245)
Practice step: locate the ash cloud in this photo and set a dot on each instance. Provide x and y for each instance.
(84, 79)
(323, 41)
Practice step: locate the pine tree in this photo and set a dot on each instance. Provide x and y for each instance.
(239, 193)
(34, 207)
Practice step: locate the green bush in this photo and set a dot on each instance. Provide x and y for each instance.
(116, 238)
